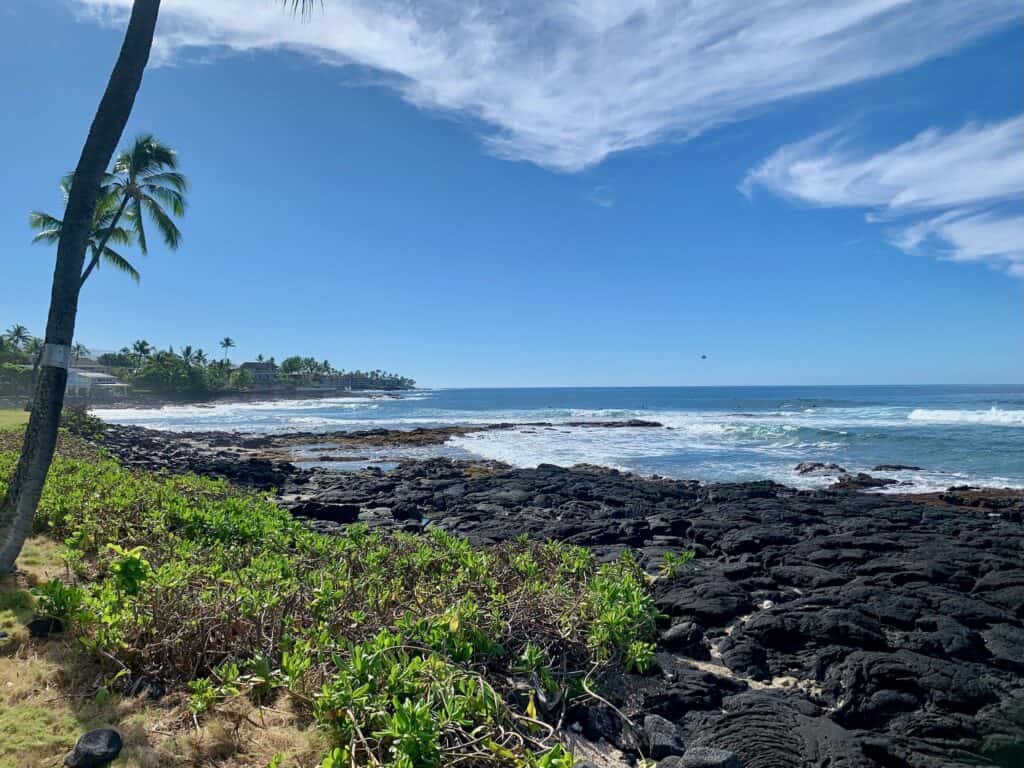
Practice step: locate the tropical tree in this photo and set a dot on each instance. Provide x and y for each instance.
(103, 232)
(34, 346)
(26, 485)
(78, 351)
(17, 335)
(145, 183)
(141, 349)
(226, 343)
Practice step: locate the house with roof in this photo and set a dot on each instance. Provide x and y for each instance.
(264, 375)
(93, 385)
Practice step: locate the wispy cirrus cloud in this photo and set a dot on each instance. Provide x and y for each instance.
(602, 195)
(955, 194)
(565, 83)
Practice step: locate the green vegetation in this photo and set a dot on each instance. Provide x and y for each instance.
(144, 182)
(406, 650)
(12, 417)
(306, 370)
(188, 372)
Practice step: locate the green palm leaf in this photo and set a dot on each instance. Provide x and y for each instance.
(168, 197)
(169, 230)
(140, 229)
(120, 263)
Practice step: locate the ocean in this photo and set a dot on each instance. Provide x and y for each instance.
(955, 434)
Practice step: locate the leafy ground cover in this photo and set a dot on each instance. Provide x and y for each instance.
(369, 648)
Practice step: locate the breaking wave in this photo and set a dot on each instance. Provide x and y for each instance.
(992, 417)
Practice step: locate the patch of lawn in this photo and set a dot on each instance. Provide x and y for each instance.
(12, 417)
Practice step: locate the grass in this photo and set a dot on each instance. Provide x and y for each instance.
(279, 646)
(12, 417)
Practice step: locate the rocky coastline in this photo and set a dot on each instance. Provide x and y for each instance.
(813, 628)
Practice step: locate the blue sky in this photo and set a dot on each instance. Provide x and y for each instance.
(586, 193)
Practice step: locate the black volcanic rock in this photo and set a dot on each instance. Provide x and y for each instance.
(861, 482)
(818, 468)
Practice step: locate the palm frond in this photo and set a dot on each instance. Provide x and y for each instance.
(47, 226)
(119, 262)
(116, 235)
(172, 179)
(140, 229)
(302, 7)
(169, 197)
(47, 236)
(42, 220)
(146, 154)
(167, 227)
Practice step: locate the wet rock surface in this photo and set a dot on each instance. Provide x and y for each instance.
(814, 628)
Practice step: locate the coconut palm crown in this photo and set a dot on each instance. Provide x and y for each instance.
(145, 180)
(104, 232)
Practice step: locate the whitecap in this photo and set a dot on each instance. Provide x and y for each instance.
(992, 417)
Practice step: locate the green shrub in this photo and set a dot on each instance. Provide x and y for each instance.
(80, 423)
(673, 564)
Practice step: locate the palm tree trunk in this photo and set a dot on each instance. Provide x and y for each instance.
(23, 492)
(103, 243)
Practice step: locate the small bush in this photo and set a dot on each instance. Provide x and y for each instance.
(674, 563)
(80, 423)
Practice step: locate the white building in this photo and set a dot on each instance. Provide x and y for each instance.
(93, 385)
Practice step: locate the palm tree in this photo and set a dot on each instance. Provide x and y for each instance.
(141, 349)
(145, 179)
(78, 351)
(226, 343)
(26, 485)
(200, 357)
(34, 346)
(104, 231)
(18, 335)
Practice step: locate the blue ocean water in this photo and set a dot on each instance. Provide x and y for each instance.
(956, 434)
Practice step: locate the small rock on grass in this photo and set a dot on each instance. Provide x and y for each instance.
(95, 749)
(45, 626)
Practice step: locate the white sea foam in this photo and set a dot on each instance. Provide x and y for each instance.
(991, 417)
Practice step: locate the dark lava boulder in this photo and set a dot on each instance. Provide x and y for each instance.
(818, 468)
(861, 482)
(95, 749)
(662, 738)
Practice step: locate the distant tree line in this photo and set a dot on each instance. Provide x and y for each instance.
(192, 371)
(19, 359)
(187, 371)
(313, 371)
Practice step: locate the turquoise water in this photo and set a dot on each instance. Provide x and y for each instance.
(955, 434)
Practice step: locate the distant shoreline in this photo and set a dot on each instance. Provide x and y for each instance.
(258, 396)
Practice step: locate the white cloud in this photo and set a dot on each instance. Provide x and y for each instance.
(954, 194)
(565, 83)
